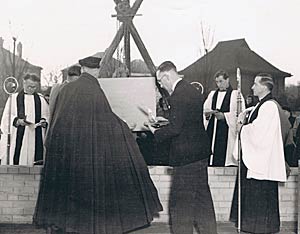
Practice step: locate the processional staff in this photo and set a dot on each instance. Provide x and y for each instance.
(239, 110)
(10, 86)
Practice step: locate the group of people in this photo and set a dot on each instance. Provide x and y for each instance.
(265, 135)
(262, 141)
(95, 180)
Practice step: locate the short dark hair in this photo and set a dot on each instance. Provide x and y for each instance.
(266, 80)
(167, 66)
(32, 77)
(74, 70)
(221, 73)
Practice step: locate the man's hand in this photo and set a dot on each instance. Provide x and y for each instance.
(21, 122)
(219, 115)
(161, 119)
(242, 117)
(207, 116)
(152, 129)
(239, 126)
(42, 123)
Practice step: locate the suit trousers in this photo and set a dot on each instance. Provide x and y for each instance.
(191, 203)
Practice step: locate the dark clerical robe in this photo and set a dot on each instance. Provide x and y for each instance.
(263, 167)
(222, 133)
(95, 181)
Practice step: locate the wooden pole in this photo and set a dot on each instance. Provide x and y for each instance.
(239, 110)
(9, 131)
(127, 48)
(138, 41)
(117, 39)
(110, 51)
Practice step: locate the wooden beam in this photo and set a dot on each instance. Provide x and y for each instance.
(117, 39)
(127, 48)
(138, 41)
(136, 5)
(110, 51)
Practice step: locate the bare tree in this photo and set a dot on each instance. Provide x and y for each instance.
(53, 77)
(207, 36)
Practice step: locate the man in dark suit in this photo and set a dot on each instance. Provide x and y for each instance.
(190, 198)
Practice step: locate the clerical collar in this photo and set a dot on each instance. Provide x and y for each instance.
(254, 112)
(266, 98)
(25, 93)
(175, 83)
(228, 88)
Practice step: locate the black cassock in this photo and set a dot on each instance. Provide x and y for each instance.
(221, 133)
(95, 180)
(259, 198)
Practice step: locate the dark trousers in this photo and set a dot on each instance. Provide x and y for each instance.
(191, 203)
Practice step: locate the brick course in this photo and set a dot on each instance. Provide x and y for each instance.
(222, 182)
(19, 189)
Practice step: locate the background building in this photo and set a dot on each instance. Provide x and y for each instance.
(21, 67)
(229, 55)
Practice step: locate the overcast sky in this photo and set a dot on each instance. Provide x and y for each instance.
(56, 33)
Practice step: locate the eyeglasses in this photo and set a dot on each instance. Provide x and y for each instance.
(164, 76)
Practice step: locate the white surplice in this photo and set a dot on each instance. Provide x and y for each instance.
(28, 143)
(230, 118)
(262, 146)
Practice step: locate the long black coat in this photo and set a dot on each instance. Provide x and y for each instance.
(95, 180)
(189, 140)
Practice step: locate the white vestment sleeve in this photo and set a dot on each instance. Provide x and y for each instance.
(262, 146)
(45, 113)
(231, 117)
(207, 107)
(231, 120)
(5, 126)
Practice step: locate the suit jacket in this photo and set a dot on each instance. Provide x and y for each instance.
(189, 140)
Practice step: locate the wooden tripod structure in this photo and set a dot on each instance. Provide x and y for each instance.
(125, 14)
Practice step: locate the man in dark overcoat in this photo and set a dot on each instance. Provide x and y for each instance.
(190, 197)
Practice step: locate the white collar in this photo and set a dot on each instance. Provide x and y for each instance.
(175, 83)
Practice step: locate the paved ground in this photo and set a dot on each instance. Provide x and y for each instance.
(156, 228)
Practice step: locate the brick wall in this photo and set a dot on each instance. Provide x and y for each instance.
(19, 189)
(222, 182)
(18, 193)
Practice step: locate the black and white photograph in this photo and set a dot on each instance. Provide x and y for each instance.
(149, 117)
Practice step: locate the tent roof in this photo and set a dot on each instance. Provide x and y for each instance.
(229, 55)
